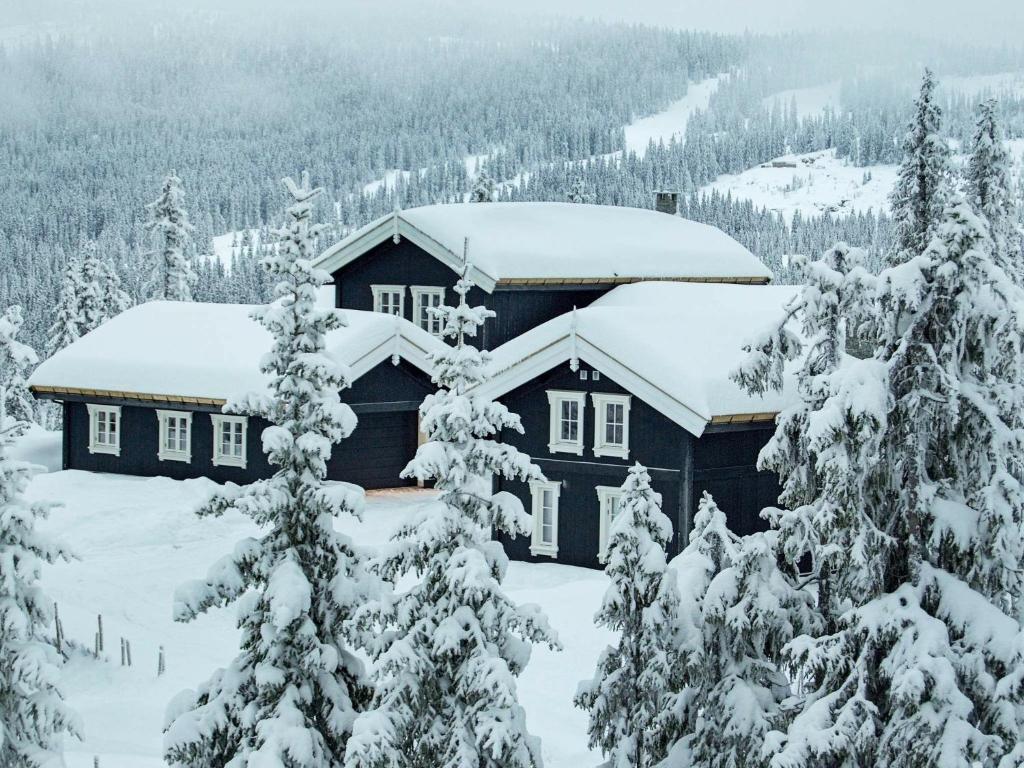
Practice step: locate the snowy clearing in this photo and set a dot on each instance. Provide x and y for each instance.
(138, 539)
(975, 85)
(670, 122)
(820, 182)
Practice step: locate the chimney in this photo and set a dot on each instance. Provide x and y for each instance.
(667, 202)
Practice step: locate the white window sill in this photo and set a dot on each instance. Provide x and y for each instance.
(541, 550)
(573, 448)
(228, 461)
(175, 456)
(110, 450)
(612, 451)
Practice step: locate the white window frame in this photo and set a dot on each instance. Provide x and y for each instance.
(601, 446)
(378, 297)
(555, 442)
(95, 446)
(221, 459)
(539, 547)
(427, 323)
(606, 494)
(166, 454)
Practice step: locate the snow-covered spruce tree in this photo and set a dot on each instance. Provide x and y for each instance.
(92, 309)
(922, 186)
(990, 192)
(625, 696)
(823, 445)
(454, 642)
(68, 325)
(173, 275)
(291, 695)
(738, 610)
(33, 716)
(924, 665)
(578, 190)
(484, 188)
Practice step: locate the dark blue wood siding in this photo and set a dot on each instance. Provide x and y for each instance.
(518, 309)
(725, 465)
(654, 441)
(386, 401)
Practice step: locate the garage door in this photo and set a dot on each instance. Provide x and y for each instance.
(377, 451)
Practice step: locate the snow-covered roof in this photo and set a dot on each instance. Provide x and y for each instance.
(211, 351)
(673, 345)
(517, 242)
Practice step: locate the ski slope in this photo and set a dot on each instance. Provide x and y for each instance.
(137, 539)
(671, 121)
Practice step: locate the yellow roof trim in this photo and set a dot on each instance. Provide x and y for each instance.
(140, 396)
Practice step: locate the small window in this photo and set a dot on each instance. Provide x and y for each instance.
(545, 518)
(423, 300)
(104, 429)
(175, 436)
(389, 299)
(608, 498)
(566, 422)
(583, 374)
(611, 425)
(596, 376)
(229, 434)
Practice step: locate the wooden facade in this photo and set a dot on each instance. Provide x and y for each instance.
(722, 461)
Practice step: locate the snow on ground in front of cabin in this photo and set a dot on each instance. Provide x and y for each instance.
(819, 183)
(137, 540)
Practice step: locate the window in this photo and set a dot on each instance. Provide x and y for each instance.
(608, 498)
(611, 425)
(423, 299)
(175, 436)
(229, 440)
(389, 299)
(104, 429)
(566, 422)
(545, 518)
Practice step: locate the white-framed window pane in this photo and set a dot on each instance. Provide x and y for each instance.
(570, 420)
(547, 525)
(614, 423)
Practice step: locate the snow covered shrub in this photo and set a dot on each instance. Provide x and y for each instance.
(453, 642)
(33, 716)
(625, 695)
(291, 695)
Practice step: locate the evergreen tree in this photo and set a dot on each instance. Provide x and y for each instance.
(173, 276)
(92, 310)
(68, 326)
(115, 299)
(578, 190)
(484, 188)
(455, 643)
(625, 695)
(739, 612)
(989, 189)
(33, 716)
(921, 188)
(291, 695)
(910, 505)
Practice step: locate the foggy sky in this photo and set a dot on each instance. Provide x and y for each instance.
(992, 21)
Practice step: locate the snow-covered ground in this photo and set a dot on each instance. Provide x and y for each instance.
(820, 182)
(975, 85)
(226, 246)
(671, 121)
(137, 539)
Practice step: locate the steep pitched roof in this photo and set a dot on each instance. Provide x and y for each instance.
(210, 352)
(673, 345)
(509, 243)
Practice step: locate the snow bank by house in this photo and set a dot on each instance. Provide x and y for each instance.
(564, 240)
(138, 539)
(207, 350)
(819, 183)
(684, 338)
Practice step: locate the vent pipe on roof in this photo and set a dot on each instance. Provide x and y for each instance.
(667, 202)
